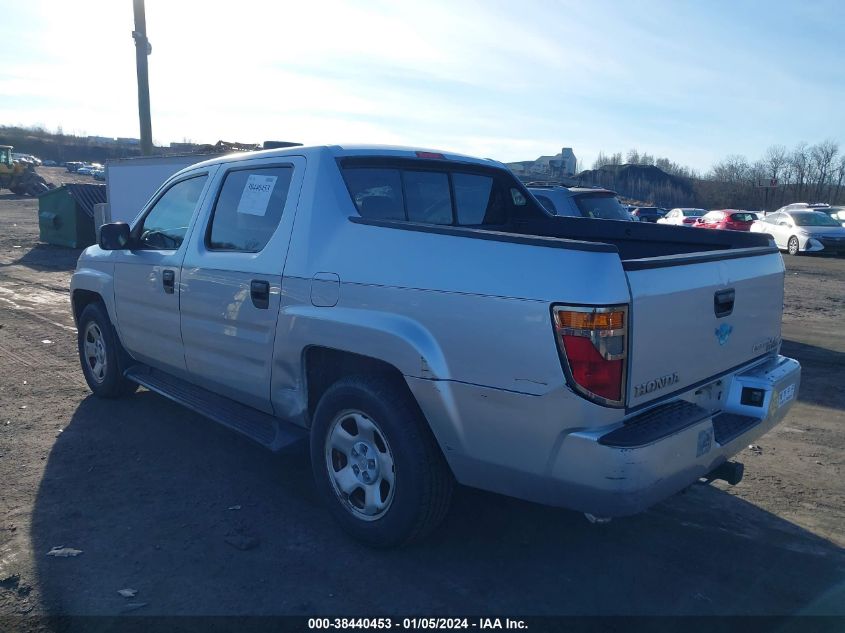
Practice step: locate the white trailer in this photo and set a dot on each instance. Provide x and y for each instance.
(130, 182)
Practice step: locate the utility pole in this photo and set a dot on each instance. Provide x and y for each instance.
(142, 50)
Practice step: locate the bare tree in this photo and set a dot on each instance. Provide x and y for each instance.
(822, 157)
(633, 157)
(799, 160)
(601, 161)
(840, 175)
(775, 159)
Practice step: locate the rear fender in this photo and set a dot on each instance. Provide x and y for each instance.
(397, 340)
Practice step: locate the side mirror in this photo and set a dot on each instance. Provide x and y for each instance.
(114, 236)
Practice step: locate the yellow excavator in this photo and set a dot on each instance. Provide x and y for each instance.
(20, 178)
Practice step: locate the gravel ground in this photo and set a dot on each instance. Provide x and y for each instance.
(154, 496)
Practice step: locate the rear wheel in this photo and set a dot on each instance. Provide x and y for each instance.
(376, 463)
(101, 355)
(792, 245)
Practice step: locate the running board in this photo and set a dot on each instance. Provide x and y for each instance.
(263, 428)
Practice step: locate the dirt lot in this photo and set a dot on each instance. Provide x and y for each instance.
(151, 493)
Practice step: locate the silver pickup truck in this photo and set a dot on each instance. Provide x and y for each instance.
(424, 321)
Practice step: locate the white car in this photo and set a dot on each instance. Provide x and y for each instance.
(803, 231)
(682, 216)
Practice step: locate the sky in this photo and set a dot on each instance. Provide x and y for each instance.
(693, 81)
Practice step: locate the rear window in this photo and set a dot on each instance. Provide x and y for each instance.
(692, 213)
(418, 191)
(743, 217)
(604, 206)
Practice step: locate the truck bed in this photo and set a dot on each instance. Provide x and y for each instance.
(639, 240)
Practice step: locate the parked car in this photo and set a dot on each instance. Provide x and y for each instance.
(837, 213)
(682, 216)
(648, 214)
(803, 231)
(50, 163)
(804, 206)
(73, 166)
(729, 219)
(585, 202)
(98, 174)
(438, 325)
(89, 169)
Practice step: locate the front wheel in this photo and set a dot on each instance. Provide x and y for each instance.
(792, 246)
(376, 463)
(100, 354)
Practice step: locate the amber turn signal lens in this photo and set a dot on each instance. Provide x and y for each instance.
(590, 320)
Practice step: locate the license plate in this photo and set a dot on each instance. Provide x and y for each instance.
(786, 395)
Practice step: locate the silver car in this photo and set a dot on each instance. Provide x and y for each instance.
(586, 202)
(803, 231)
(682, 216)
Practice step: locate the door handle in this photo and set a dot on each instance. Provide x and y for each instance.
(259, 290)
(723, 302)
(168, 280)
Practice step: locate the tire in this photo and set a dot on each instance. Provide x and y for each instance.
(359, 415)
(792, 246)
(101, 355)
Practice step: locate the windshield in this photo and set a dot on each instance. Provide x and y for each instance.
(601, 205)
(814, 218)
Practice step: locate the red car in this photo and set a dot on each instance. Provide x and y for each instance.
(729, 219)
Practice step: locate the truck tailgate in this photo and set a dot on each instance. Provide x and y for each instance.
(698, 316)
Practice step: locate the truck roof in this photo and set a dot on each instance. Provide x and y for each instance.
(396, 151)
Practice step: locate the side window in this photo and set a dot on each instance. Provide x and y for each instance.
(427, 197)
(164, 227)
(249, 208)
(547, 203)
(474, 203)
(377, 193)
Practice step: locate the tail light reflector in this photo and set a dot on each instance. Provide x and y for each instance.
(593, 343)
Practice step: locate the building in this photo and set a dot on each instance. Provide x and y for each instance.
(562, 165)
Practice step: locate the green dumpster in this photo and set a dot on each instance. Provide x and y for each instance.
(66, 214)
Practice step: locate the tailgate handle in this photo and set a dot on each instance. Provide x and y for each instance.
(723, 302)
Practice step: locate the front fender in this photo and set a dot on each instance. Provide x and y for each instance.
(97, 278)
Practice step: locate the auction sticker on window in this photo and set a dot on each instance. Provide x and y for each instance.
(786, 395)
(256, 194)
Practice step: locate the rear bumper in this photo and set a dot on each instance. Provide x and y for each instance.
(615, 477)
(620, 468)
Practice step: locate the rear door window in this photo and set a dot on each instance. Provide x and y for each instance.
(249, 208)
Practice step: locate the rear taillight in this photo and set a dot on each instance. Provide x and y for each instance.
(593, 344)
